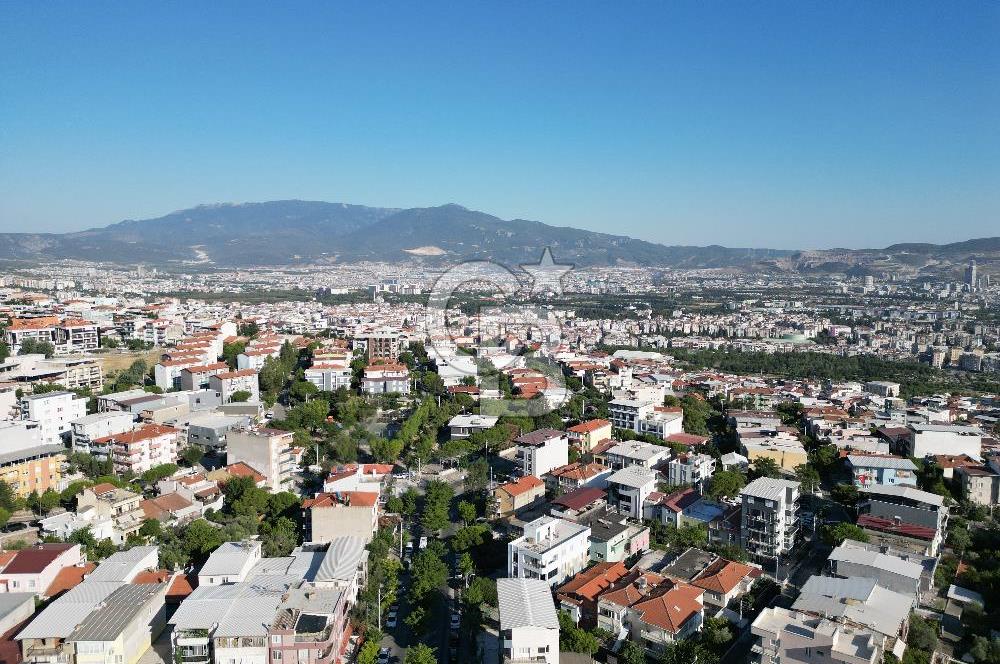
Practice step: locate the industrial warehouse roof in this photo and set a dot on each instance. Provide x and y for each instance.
(119, 609)
(526, 603)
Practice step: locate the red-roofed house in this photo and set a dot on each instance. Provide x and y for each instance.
(578, 596)
(34, 569)
(724, 580)
(514, 496)
(588, 434)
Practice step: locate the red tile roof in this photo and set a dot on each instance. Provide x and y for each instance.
(580, 498)
(522, 485)
(35, 559)
(69, 578)
(898, 528)
(589, 426)
(347, 498)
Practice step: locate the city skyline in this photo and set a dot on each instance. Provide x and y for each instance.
(782, 127)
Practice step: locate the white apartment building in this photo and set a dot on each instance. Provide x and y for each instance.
(230, 563)
(794, 637)
(389, 378)
(540, 451)
(628, 489)
(268, 451)
(329, 376)
(197, 377)
(85, 430)
(954, 439)
(140, 449)
(229, 383)
(529, 626)
(770, 518)
(551, 550)
(635, 453)
(463, 426)
(53, 411)
(625, 413)
(690, 468)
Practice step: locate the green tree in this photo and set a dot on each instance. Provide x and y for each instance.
(764, 467)
(808, 477)
(726, 484)
(845, 494)
(959, 538)
(34, 347)
(420, 654)
(466, 511)
(240, 396)
(834, 535)
(631, 653)
(427, 573)
(192, 455)
(368, 654)
(923, 633)
(151, 528)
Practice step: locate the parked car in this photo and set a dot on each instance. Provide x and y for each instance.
(391, 619)
(423, 542)
(383, 656)
(456, 620)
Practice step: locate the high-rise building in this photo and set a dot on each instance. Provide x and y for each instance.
(971, 277)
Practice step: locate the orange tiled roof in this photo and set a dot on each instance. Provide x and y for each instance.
(589, 426)
(522, 485)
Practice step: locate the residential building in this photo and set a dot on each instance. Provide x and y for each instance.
(690, 468)
(725, 580)
(769, 516)
(463, 426)
(613, 535)
(578, 596)
(523, 492)
(29, 466)
(893, 572)
(901, 535)
(53, 411)
(796, 637)
(628, 489)
(309, 626)
(529, 626)
(783, 447)
(931, 439)
(32, 570)
(869, 469)
(905, 504)
(382, 346)
(120, 507)
(268, 451)
(197, 377)
(229, 383)
(551, 549)
(587, 435)
(980, 483)
(139, 449)
(86, 429)
(390, 378)
(635, 453)
(538, 452)
(576, 475)
(341, 514)
(329, 376)
(230, 563)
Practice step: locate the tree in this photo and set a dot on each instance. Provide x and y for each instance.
(368, 654)
(716, 632)
(386, 450)
(765, 467)
(836, 534)
(959, 539)
(151, 528)
(466, 566)
(845, 494)
(192, 455)
(201, 538)
(726, 483)
(420, 654)
(427, 573)
(157, 473)
(923, 633)
(34, 347)
(466, 511)
(808, 477)
(631, 653)
(575, 639)
(240, 396)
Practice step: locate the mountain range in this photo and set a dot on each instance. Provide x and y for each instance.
(314, 232)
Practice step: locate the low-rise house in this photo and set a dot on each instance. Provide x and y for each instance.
(576, 475)
(367, 477)
(529, 626)
(34, 569)
(572, 504)
(106, 502)
(552, 550)
(651, 610)
(725, 580)
(980, 483)
(523, 492)
(635, 453)
(463, 426)
(578, 596)
(614, 536)
(229, 383)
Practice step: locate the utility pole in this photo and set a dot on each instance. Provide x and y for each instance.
(380, 605)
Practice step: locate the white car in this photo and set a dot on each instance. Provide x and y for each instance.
(423, 543)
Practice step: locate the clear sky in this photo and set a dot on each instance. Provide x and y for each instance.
(796, 124)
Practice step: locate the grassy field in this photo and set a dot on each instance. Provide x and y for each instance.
(113, 361)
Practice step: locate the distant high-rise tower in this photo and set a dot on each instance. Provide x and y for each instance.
(970, 275)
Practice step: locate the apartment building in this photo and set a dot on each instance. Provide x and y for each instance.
(32, 570)
(341, 514)
(140, 449)
(70, 372)
(529, 626)
(53, 411)
(228, 383)
(538, 452)
(783, 447)
(795, 637)
(587, 435)
(690, 468)
(980, 483)
(872, 469)
(576, 475)
(197, 377)
(27, 465)
(382, 346)
(551, 550)
(625, 413)
(769, 516)
(268, 451)
(72, 335)
(120, 507)
(629, 488)
(931, 439)
(388, 378)
(230, 563)
(85, 430)
(330, 376)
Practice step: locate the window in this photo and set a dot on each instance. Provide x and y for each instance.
(276, 655)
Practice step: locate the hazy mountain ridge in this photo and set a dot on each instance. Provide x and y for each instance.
(289, 232)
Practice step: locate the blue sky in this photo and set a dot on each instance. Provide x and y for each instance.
(795, 124)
